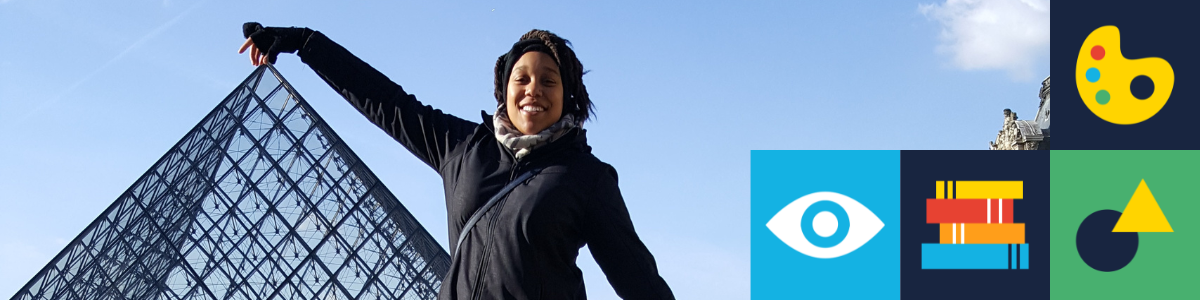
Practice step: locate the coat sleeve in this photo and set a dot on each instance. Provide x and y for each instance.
(615, 245)
(428, 133)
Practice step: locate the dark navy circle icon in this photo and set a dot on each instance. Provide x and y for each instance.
(1142, 87)
(824, 209)
(1100, 247)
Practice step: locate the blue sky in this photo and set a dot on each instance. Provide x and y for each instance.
(92, 94)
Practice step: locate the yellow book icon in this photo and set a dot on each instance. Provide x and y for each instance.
(980, 189)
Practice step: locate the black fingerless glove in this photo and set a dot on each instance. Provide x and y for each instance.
(273, 40)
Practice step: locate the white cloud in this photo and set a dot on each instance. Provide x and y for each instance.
(1004, 35)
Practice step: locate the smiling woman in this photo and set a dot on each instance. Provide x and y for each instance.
(523, 191)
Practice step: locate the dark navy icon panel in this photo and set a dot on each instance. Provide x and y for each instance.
(1147, 29)
(920, 169)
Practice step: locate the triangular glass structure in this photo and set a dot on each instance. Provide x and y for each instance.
(261, 200)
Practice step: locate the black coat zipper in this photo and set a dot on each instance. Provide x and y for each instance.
(490, 238)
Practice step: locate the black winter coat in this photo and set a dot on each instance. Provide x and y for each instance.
(525, 247)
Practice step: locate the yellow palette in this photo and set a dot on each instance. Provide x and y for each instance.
(1103, 76)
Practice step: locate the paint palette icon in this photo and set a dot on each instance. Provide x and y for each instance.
(1103, 77)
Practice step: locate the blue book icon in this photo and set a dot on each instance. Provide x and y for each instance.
(975, 256)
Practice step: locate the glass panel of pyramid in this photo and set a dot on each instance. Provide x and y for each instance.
(261, 200)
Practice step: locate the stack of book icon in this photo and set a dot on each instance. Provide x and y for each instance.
(976, 227)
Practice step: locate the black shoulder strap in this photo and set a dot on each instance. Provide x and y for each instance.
(491, 202)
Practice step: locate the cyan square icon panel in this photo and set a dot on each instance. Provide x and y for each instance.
(824, 224)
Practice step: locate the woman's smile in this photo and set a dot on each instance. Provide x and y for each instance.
(532, 109)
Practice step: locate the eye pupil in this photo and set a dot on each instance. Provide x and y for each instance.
(825, 224)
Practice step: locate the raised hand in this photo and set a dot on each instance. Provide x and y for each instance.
(268, 42)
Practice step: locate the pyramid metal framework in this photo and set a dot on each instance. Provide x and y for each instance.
(261, 200)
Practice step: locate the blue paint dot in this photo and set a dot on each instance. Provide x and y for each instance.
(1093, 75)
(1102, 97)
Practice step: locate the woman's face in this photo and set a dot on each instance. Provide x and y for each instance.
(535, 93)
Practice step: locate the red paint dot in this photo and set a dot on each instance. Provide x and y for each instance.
(1097, 52)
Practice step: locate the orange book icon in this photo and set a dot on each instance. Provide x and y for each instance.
(980, 233)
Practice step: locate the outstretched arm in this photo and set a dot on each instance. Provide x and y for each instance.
(622, 256)
(428, 133)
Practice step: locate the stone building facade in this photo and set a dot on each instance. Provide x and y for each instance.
(1034, 134)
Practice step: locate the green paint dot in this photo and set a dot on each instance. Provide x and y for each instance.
(1102, 97)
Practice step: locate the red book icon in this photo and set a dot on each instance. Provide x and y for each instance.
(968, 211)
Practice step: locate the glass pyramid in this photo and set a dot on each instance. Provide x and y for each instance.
(261, 200)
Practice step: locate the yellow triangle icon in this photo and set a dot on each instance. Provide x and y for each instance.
(1142, 214)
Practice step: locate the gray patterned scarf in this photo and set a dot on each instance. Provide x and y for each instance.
(522, 144)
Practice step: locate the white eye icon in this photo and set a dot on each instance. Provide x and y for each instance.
(825, 225)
